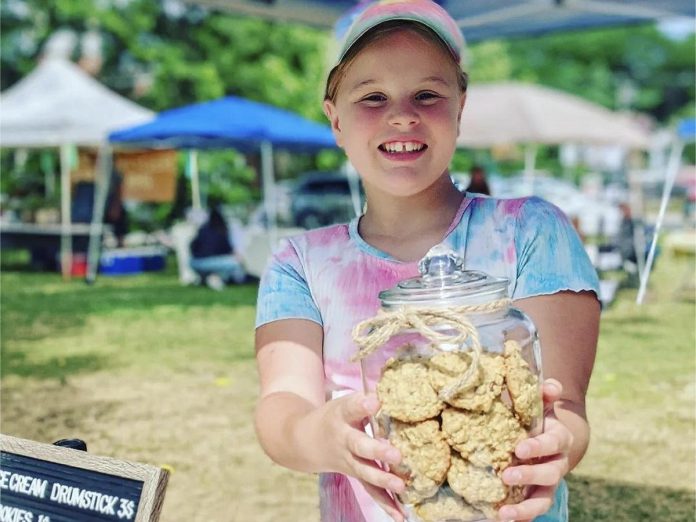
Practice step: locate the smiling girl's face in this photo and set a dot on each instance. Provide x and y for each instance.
(396, 113)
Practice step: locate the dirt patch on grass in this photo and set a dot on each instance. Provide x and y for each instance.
(198, 424)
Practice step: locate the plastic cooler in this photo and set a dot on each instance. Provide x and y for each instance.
(124, 261)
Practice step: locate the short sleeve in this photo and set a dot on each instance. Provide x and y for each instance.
(550, 255)
(283, 290)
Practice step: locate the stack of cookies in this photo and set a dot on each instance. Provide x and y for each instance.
(455, 446)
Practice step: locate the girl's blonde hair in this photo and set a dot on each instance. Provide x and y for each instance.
(338, 73)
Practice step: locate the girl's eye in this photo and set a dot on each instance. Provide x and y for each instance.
(427, 96)
(374, 98)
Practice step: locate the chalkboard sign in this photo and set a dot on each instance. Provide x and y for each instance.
(46, 483)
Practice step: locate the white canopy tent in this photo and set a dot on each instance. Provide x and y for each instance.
(531, 115)
(59, 105)
(519, 113)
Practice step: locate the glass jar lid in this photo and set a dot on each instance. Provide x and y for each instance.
(443, 282)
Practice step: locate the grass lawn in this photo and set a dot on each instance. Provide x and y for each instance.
(144, 369)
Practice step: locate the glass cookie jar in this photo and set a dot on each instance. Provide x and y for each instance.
(457, 371)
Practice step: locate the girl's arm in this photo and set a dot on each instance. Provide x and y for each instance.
(298, 429)
(568, 326)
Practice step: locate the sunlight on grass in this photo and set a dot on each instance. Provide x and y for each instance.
(139, 323)
(641, 402)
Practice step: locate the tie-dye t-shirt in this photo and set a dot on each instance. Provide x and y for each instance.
(333, 277)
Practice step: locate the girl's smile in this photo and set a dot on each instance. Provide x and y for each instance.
(403, 150)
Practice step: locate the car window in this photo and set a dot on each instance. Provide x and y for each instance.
(339, 186)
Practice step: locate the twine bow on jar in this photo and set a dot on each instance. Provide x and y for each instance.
(373, 333)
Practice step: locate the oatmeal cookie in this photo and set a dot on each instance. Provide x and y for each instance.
(405, 391)
(425, 458)
(447, 368)
(475, 484)
(486, 439)
(446, 505)
(490, 509)
(522, 384)
(516, 494)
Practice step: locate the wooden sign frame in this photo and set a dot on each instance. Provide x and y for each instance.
(154, 480)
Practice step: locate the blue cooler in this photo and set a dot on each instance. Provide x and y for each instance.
(123, 261)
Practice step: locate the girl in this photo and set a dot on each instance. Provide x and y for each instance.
(394, 100)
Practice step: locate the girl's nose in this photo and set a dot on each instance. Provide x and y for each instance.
(403, 115)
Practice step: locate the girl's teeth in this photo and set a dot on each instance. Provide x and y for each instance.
(407, 146)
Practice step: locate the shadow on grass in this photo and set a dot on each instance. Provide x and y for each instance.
(15, 363)
(36, 306)
(596, 500)
(633, 319)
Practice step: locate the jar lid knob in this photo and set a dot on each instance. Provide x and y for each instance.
(440, 261)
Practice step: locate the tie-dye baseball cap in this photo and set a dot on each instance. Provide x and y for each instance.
(370, 14)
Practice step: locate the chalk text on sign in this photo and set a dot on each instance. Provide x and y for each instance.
(24, 484)
(15, 514)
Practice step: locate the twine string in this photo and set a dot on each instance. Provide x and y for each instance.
(371, 334)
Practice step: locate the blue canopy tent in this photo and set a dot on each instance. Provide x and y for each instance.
(482, 19)
(227, 122)
(685, 133)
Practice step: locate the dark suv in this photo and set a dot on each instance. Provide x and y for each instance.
(323, 198)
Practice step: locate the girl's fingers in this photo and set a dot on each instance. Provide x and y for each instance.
(357, 406)
(546, 474)
(539, 502)
(552, 390)
(385, 501)
(369, 472)
(362, 445)
(546, 444)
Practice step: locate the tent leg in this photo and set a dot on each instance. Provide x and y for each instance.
(65, 217)
(269, 196)
(354, 185)
(96, 228)
(530, 152)
(670, 176)
(192, 166)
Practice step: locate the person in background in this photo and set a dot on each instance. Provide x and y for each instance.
(394, 100)
(212, 254)
(478, 183)
(115, 213)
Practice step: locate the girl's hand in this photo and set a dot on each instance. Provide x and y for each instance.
(351, 451)
(547, 462)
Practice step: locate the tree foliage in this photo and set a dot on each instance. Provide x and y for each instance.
(167, 53)
(188, 53)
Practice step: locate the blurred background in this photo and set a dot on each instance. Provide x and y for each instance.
(125, 123)
(171, 54)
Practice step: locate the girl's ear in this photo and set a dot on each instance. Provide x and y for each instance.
(332, 115)
(462, 102)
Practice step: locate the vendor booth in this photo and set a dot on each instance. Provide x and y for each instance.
(58, 105)
(232, 122)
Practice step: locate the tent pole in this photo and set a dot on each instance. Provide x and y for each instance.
(96, 228)
(637, 208)
(192, 166)
(354, 185)
(670, 175)
(529, 166)
(65, 217)
(49, 173)
(269, 196)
